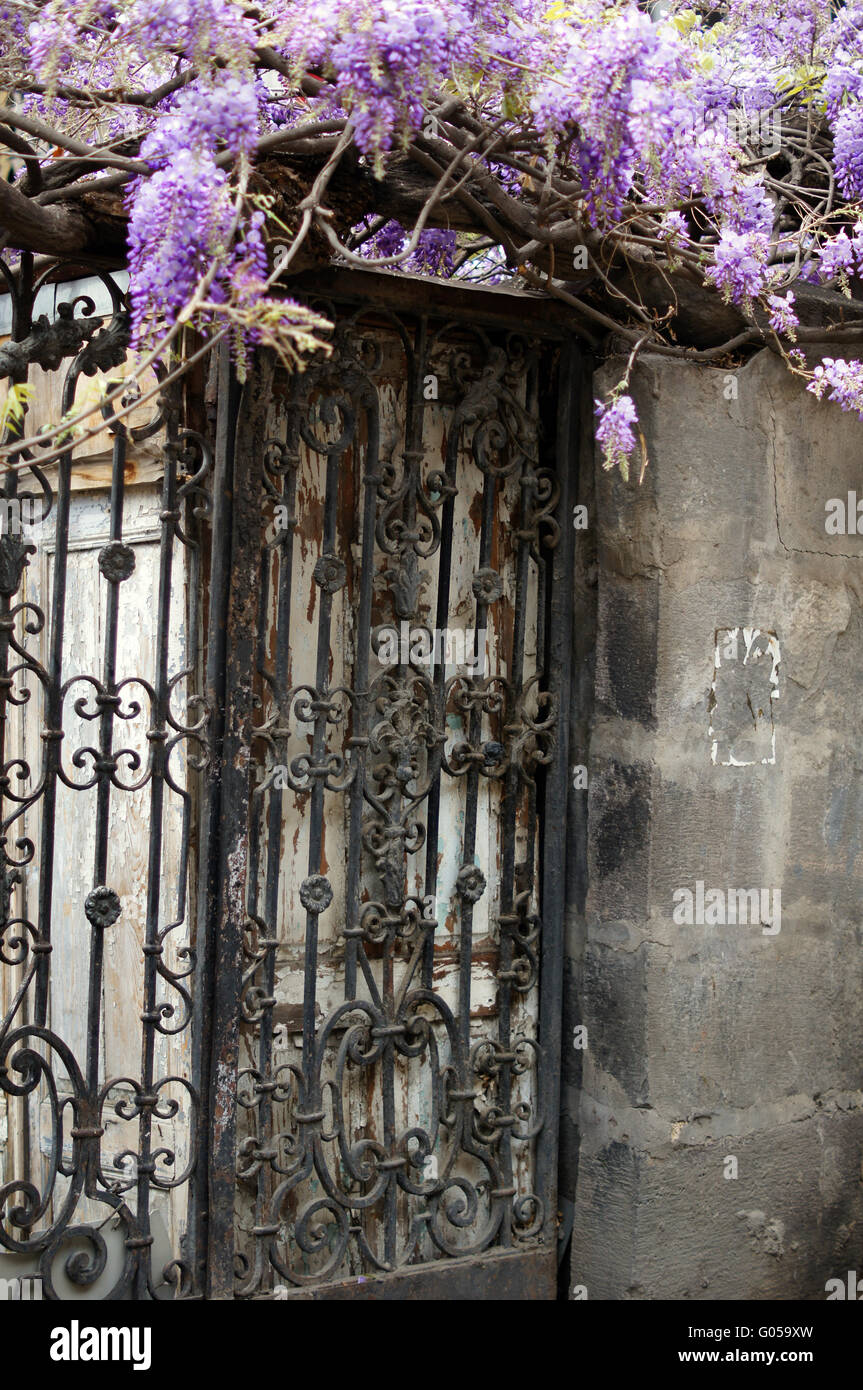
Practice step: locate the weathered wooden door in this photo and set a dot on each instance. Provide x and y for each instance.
(394, 784)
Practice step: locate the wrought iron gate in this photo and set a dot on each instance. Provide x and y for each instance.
(352, 739)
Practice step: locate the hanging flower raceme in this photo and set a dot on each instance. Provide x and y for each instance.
(740, 272)
(180, 223)
(614, 432)
(614, 87)
(841, 381)
(183, 217)
(783, 318)
(201, 30)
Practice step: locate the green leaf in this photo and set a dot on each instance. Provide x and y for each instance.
(14, 408)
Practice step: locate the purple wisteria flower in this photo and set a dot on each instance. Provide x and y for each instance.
(387, 241)
(432, 255)
(619, 92)
(842, 382)
(386, 57)
(838, 257)
(12, 20)
(673, 228)
(848, 149)
(757, 30)
(749, 208)
(180, 220)
(207, 116)
(52, 44)
(783, 318)
(198, 28)
(614, 432)
(740, 271)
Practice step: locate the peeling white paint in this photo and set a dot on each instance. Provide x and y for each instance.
(744, 647)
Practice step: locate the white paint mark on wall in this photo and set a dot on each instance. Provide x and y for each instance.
(745, 685)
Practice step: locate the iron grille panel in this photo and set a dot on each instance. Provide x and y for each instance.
(390, 1096)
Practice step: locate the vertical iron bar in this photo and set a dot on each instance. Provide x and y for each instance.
(465, 968)
(22, 318)
(413, 455)
(209, 855)
(553, 826)
(157, 736)
(442, 621)
(360, 739)
(316, 807)
(53, 730)
(282, 555)
(107, 700)
(233, 832)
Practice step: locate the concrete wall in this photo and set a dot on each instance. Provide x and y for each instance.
(710, 1042)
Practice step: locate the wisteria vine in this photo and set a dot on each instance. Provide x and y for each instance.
(623, 157)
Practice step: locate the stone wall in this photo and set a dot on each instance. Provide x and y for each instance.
(716, 1047)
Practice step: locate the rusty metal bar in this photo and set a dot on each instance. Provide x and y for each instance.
(559, 649)
(214, 694)
(233, 834)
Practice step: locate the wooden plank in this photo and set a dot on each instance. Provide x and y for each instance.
(92, 463)
(490, 304)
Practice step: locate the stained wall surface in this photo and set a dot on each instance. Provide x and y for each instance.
(713, 1113)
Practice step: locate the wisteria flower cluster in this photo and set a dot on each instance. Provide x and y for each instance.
(841, 381)
(385, 56)
(433, 253)
(614, 431)
(740, 269)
